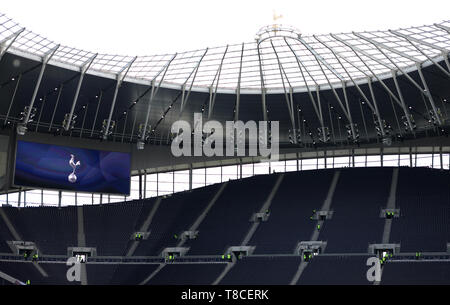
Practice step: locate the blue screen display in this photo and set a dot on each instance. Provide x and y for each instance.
(70, 168)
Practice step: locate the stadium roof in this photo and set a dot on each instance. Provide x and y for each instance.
(278, 59)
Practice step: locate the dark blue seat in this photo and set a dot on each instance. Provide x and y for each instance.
(360, 195)
(292, 206)
(423, 196)
(416, 273)
(275, 270)
(336, 270)
(187, 274)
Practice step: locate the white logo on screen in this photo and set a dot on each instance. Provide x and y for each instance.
(72, 177)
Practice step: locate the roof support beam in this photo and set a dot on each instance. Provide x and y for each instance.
(124, 126)
(185, 97)
(86, 107)
(263, 102)
(289, 98)
(83, 71)
(357, 51)
(377, 112)
(405, 110)
(56, 106)
(45, 61)
(320, 115)
(346, 71)
(442, 27)
(447, 62)
(301, 66)
(354, 83)
(411, 40)
(430, 97)
(263, 87)
(213, 99)
(211, 95)
(352, 125)
(400, 101)
(134, 125)
(40, 112)
(318, 107)
(4, 46)
(418, 64)
(238, 89)
(447, 29)
(320, 60)
(153, 94)
(12, 99)
(120, 77)
(96, 112)
(291, 105)
(380, 45)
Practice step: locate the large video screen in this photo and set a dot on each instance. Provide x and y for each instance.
(70, 168)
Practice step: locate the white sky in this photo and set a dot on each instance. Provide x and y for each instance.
(145, 27)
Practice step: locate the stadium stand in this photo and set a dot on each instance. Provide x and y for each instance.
(423, 198)
(356, 219)
(229, 219)
(355, 224)
(360, 169)
(174, 215)
(289, 221)
(266, 270)
(132, 274)
(335, 270)
(23, 272)
(49, 239)
(416, 273)
(187, 274)
(110, 228)
(5, 236)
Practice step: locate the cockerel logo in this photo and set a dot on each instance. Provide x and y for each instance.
(72, 177)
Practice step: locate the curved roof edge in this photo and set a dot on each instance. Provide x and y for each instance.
(277, 64)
